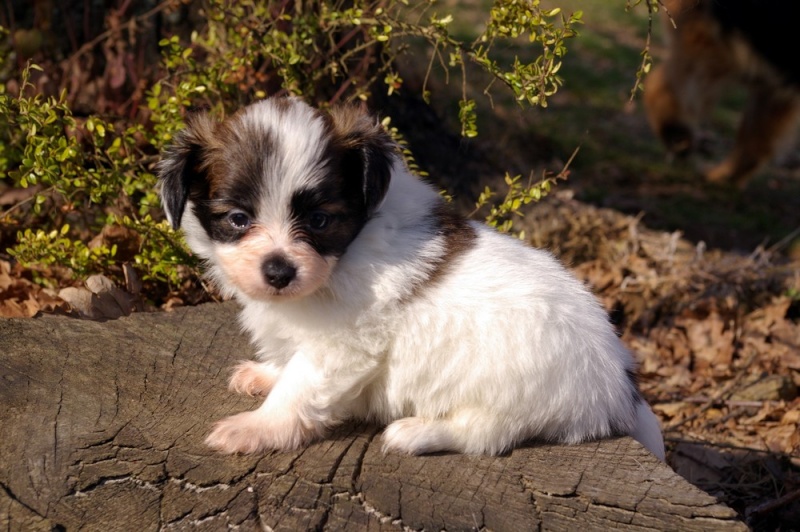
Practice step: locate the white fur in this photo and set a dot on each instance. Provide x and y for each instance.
(506, 345)
(297, 162)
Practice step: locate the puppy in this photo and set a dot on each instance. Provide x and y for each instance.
(367, 298)
(716, 42)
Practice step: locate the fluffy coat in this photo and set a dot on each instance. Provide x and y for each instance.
(366, 298)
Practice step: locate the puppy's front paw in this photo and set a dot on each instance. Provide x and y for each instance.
(416, 435)
(252, 378)
(252, 432)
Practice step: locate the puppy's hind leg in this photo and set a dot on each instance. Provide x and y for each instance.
(466, 432)
(416, 435)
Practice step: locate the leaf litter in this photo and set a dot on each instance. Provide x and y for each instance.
(717, 336)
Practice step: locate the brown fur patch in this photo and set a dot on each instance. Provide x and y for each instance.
(185, 163)
(366, 146)
(459, 236)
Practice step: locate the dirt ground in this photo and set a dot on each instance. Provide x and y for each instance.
(702, 281)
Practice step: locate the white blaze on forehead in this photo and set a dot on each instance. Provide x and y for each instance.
(297, 134)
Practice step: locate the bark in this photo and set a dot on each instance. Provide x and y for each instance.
(102, 428)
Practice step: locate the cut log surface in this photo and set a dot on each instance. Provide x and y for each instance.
(102, 428)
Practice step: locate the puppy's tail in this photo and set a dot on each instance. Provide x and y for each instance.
(647, 430)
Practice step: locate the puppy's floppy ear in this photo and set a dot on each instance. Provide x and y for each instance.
(183, 165)
(368, 151)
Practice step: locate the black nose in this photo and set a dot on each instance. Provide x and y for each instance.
(278, 271)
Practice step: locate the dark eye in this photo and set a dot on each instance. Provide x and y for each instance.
(319, 220)
(239, 220)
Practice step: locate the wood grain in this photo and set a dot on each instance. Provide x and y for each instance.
(102, 428)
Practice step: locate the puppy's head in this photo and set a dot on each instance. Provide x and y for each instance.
(272, 196)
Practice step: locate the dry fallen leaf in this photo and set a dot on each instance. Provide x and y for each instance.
(101, 299)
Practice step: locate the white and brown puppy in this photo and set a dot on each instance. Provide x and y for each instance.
(367, 298)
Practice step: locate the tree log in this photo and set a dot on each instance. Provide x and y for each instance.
(102, 428)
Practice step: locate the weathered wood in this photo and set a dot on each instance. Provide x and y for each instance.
(102, 427)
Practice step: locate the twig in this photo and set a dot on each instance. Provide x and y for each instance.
(784, 241)
(770, 506)
(20, 203)
(726, 392)
(434, 54)
(673, 439)
(727, 402)
(111, 31)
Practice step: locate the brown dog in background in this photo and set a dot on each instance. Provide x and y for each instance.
(718, 41)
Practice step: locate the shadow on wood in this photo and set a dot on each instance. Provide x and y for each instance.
(103, 424)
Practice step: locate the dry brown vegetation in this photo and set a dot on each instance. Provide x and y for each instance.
(719, 343)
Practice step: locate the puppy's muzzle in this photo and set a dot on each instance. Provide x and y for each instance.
(278, 271)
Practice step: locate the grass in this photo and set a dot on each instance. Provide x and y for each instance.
(621, 164)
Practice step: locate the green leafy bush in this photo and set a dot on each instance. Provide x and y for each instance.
(91, 173)
(85, 176)
(500, 213)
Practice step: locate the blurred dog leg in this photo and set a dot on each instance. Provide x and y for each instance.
(769, 117)
(682, 90)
